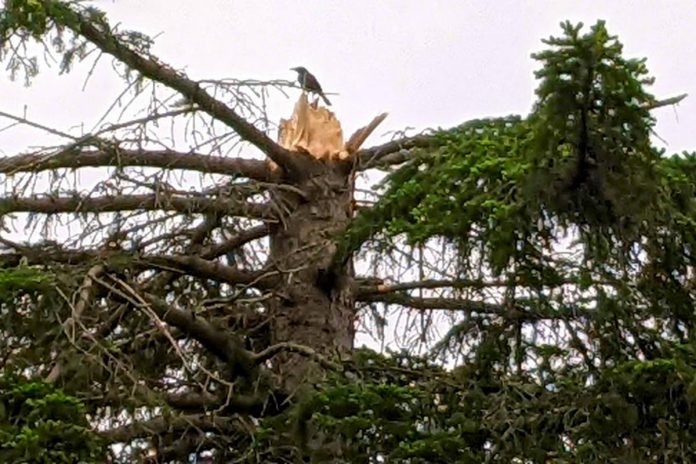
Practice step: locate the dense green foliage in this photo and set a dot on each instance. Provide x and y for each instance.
(41, 424)
(406, 410)
(593, 229)
(581, 160)
(38, 422)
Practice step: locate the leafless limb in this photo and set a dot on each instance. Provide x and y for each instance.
(390, 153)
(199, 267)
(666, 102)
(113, 156)
(234, 242)
(451, 304)
(228, 347)
(161, 425)
(79, 204)
(191, 90)
(193, 401)
(289, 347)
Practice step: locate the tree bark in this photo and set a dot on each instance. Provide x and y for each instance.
(306, 309)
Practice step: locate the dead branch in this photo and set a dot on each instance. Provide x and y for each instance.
(358, 138)
(518, 311)
(165, 424)
(394, 152)
(190, 401)
(195, 266)
(27, 122)
(242, 237)
(201, 232)
(226, 346)
(211, 251)
(367, 288)
(74, 158)
(451, 304)
(290, 347)
(475, 284)
(106, 204)
(33, 255)
(665, 102)
(192, 441)
(199, 267)
(151, 68)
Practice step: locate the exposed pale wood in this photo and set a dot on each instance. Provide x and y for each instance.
(316, 131)
(312, 129)
(358, 138)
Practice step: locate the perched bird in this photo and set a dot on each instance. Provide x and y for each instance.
(310, 83)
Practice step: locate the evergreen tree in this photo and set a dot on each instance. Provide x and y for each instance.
(218, 323)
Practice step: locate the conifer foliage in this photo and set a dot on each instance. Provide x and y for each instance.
(543, 265)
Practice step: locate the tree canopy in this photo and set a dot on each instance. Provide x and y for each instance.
(200, 301)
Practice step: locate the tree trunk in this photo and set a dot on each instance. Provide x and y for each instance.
(306, 309)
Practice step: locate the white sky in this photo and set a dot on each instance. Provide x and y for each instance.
(427, 63)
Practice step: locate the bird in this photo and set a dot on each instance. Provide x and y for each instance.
(309, 82)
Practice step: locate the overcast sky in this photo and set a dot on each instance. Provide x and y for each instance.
(427, 63)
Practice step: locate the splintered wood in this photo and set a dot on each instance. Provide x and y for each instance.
(315, 130)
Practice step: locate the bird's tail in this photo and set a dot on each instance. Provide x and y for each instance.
(326, 100)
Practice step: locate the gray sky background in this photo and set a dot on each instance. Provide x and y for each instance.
(427, 63)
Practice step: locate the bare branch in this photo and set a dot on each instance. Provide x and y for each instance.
(451, 304)
(382, 288)
(235, 242)
(365, 287)
(199, 267)
(190, 401)
(665, 102)
(358, 138)
(74, 157)
(290, 347)
(518, 310)
(105, 204)
(192, 441)
(394, 152)
(184, 264)
(164, 424)
(222, 344)
(41, 255)
(151, 68)
(25, 121)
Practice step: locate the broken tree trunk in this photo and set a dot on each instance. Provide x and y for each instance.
(305, 310)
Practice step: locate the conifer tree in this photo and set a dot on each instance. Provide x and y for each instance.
(217, 323)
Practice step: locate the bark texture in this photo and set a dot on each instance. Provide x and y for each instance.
(309, 309)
